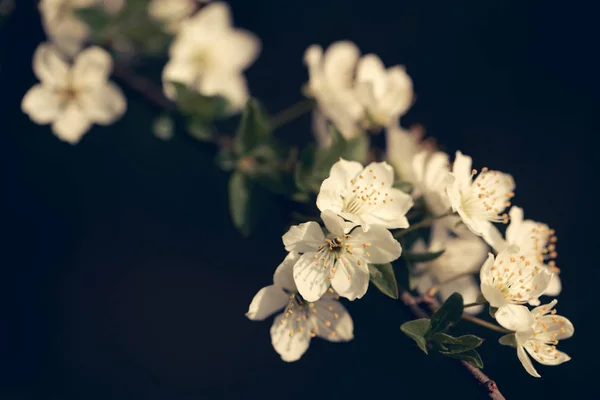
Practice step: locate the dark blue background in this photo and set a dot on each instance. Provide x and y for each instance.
(122, 277)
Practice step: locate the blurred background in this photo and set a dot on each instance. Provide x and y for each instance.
(122, 276)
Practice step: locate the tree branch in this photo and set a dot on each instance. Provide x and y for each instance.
(482, 379)
(142, 85)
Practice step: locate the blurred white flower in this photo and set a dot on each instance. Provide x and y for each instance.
(479, 202)
(535, 240)
(208, 55)
(462, 256)
(364, 195)
(73, 97)
(512, 278)
(293, 329)
(173, 12)
(338, 259)
(402, 146)
(356, 93)
(62, 26)
(385, 93)
(537, 333)
(331, 84)
(430, 178)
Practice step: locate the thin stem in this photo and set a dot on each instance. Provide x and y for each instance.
(487, 384)
(485, 324)
(291, 113)
(475, 304)
(422, 224)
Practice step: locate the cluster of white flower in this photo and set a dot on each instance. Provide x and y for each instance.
(358, 205)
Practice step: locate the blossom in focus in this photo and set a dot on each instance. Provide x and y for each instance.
(73, 97)
(364, 195)
(479, 201)
(512, 278)
(173, 12)
(300, 320)
(454, 270)
(208, 55)
(331, 84)
(537, 332)
(534, 239)
(62, 26)
(337, 259)
(386, 94)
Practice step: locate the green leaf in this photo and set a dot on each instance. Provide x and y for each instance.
(382, 276)
(254, 129)
(416, 330)
(315, 163)
(206, 108)
(455, 345)
(406, 187)
(448, 314)
(200, 129)
(244, 203)
(471, 356)
(97, 19)
(421, 257)
(508, 340)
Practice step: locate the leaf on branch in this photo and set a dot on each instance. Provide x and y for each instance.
(254, 129)
(382, 276)
(448, 314)
(406, 187)
(422, 257)
(315, 163)
(246, 202)
(417, 330)
(471, 356)
(203, 108)
(200, 129)
(508, 340)
(98, 20)
(453, 345)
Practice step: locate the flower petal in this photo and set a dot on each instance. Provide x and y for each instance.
(238, 49)
(311, 278)
(284, 274)
(304, 237)
(41, 104)
(540, 282)
(179, 71)
(370, 69)
(50, 68)
(392, 213)
(104, 105)
(288, 340)
(333, 321)
(378, 242)
(515, 317)
(545, 354)
(338, 184)
(350, 279)
(334, 223)
(231, 86)
(91, 68)
(462, 169)
(71, 124)
(526, 361)
(339, 63)
(554, 287)
(267, 301)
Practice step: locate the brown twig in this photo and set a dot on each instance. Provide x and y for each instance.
(482, 379)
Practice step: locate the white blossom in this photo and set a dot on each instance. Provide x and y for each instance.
(172, 13)
(481, 201)
(300, 320)
(402, 146)
(512, 278)
(430, 172)
(208, 55)
(331, 83)
(536, 333)
(337, 259)
(73, 97)
(386, 94)
(353, 92)
(535, 240)
(62, 26)
(364, 195)
(454, 270)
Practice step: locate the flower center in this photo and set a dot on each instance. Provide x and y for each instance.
(488, 196)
